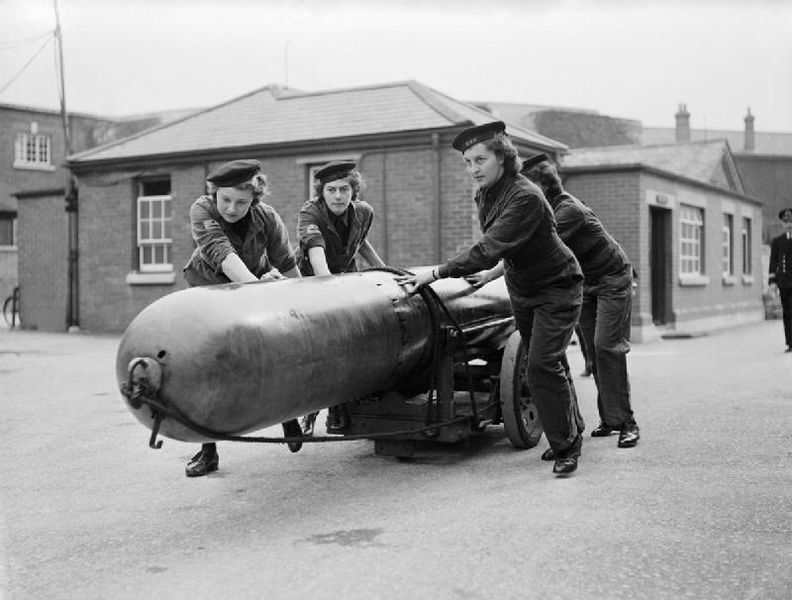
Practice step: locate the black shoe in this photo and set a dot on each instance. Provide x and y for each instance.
(629, 436)
(586, 373)
(202, 464)
(603, 430)
(548, 454)
(307, 424)
(566, 460)
(789, 349)
(291, 429)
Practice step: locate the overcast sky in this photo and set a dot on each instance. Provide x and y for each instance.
(635, 59)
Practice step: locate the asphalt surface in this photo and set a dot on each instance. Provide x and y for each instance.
(701, 508)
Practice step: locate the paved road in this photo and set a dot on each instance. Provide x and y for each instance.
(702, 508)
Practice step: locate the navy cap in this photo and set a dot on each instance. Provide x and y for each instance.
(532, 161)
(785, 214)
(336, 169)
(234, 172)
(479, 133)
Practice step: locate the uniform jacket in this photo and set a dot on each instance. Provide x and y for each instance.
(266, 243)
(518, 226)
(315, 229)
(781, 261)
(579, 228)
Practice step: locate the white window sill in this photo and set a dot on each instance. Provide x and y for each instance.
(34, 166)
(729, 279)
(693, 280)
(135, 278)
(747, 279)
(8, 248)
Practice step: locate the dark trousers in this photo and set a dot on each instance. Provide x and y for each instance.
(786, 307)
(605, 323)
(546, 321)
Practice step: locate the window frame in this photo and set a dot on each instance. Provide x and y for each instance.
(691, 263)
(23, 143)
(727, 249)
(150, 243)
(9, 216)
(746, 238)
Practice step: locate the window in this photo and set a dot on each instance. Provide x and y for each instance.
(747, 254)
(33, 151)
(727, 248)
(7, 230)
(154, 227)
(691, 240)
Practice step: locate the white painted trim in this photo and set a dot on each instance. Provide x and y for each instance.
(324, 158)
(687, 280)
(34, 166)
(135, 278)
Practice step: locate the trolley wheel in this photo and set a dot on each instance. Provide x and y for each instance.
(520, 417)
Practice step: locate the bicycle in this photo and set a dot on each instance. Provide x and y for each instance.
(11, 309)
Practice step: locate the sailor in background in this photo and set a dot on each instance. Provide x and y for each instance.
(781, 272)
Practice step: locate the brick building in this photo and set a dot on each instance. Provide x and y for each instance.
(692, 233)
(763, 158)
(135, 193)
(33, 150)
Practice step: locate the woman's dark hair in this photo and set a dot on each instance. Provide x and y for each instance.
(355, 182)
(258, 184)
(546, 176)
(503, 148)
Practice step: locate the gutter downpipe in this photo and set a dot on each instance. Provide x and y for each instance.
(72, 296)
(438, 195)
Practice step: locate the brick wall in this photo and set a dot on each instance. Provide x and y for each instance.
(400, 185)
(43, 263)
(619, 199)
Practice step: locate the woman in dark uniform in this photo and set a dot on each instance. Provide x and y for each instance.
(542, 275)
(333, 230)
(238, 239)
(607, 299)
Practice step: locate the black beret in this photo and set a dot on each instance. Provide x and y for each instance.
(234, 172)
(337, 169)
(785, 214)
(533, 161)
(479, 133)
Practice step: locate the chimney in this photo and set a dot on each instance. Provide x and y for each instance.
(750, 136)
(682, 124)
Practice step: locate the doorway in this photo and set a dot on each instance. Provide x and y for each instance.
(660, 264)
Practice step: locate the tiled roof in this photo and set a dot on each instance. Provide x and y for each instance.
(700, 161)
(777, 144)
(272, 115)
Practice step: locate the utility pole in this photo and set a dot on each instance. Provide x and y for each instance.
(72, 298)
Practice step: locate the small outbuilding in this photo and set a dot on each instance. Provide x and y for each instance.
(693, 234)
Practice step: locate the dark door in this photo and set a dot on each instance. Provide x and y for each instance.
(660, 264)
